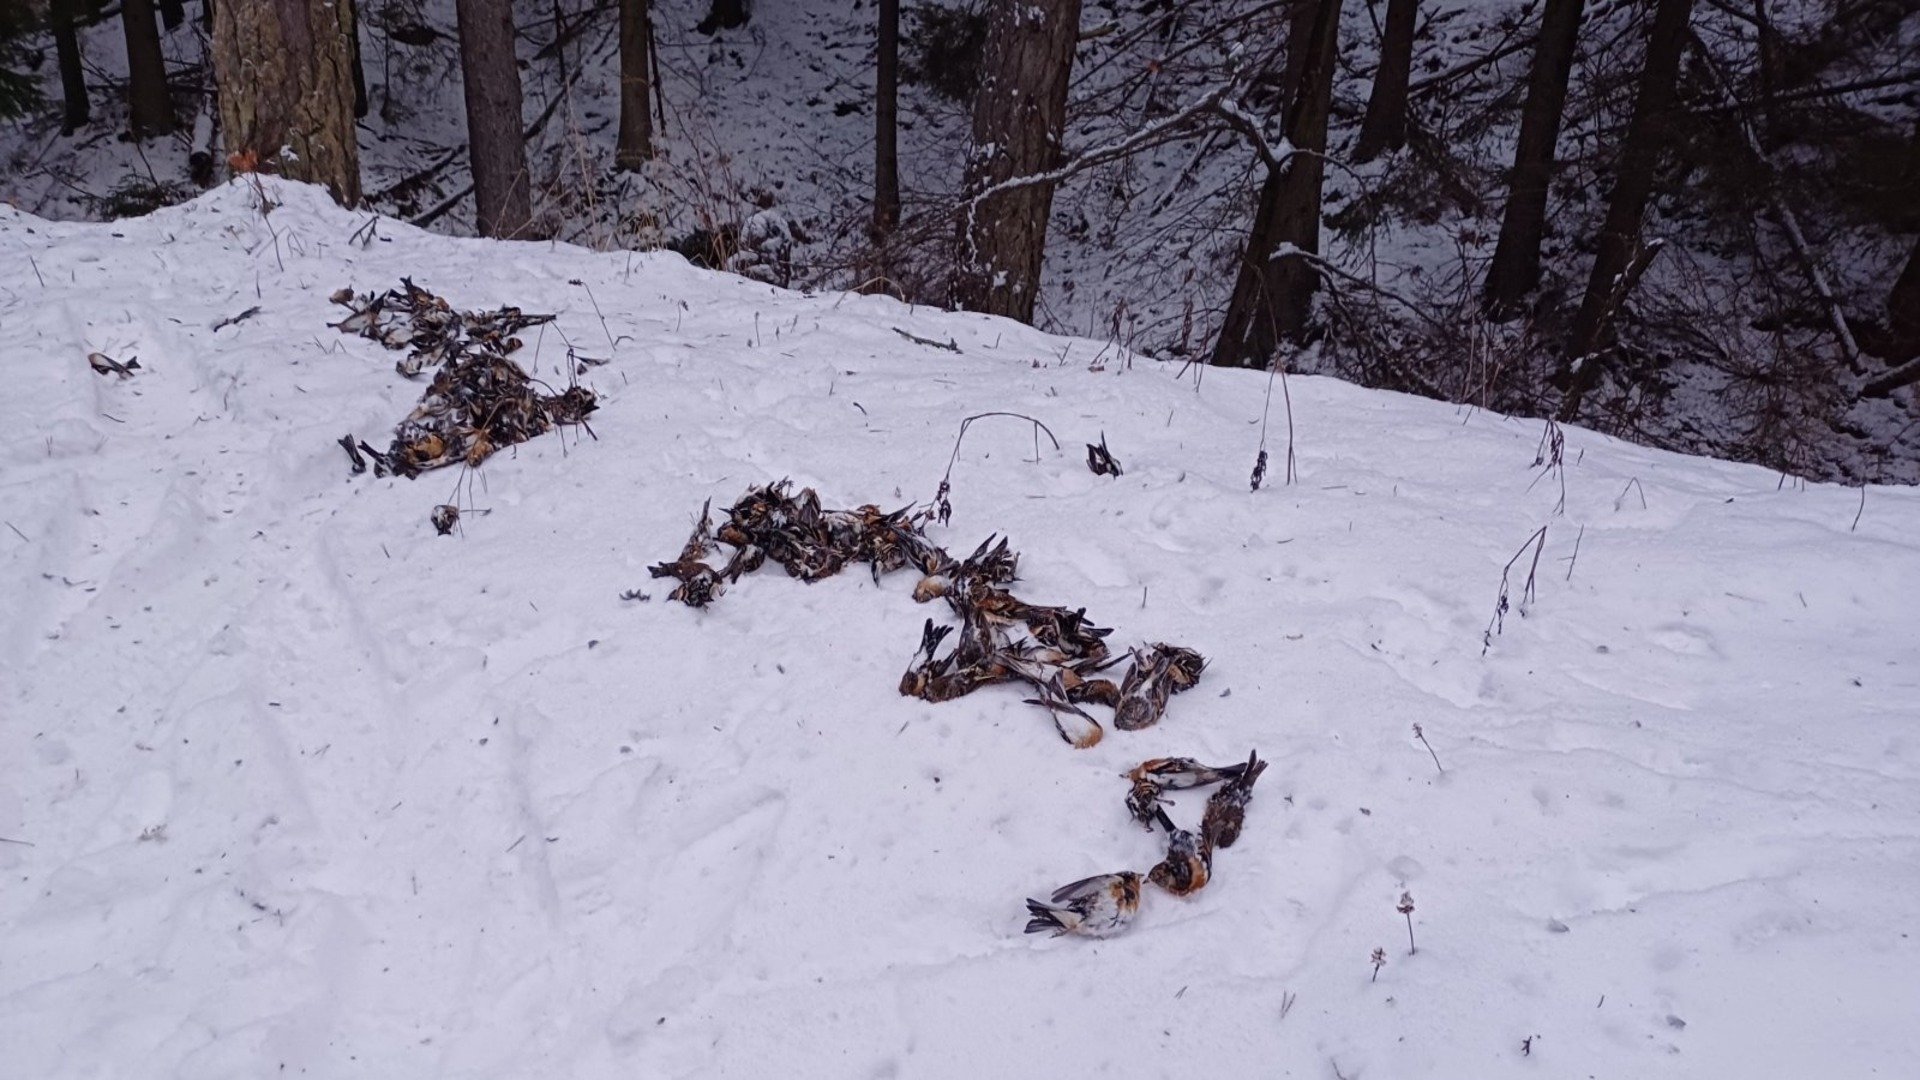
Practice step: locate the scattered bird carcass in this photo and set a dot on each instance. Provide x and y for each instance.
(1189, 862)
(1227, 807)
(478, 400)
(1095, 907)
(1055, 651)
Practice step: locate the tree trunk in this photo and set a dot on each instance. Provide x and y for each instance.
(636, 106)
(1647, 136)
(284, 69)
(1385, 127)
(495, 145)
(73, 77)
(1299, 43)
(149, 107)
(173, 13)
(1019, 116)
(359, 70)
(1516, 259)
(886, 126)
(1273, 294)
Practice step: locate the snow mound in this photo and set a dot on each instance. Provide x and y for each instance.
(296, 787)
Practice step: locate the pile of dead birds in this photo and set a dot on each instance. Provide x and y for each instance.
(1106, 904)
(478, 400)
(1053, 651)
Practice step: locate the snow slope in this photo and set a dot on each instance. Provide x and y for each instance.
(294, 786)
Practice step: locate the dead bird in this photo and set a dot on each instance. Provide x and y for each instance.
(963, 581)
(1143, 801)
(1095, 907)
(1189, 861)
(1156, 776)
(1079, 730)
(1178, 773)
(926, 667)
(699, 583)
(1158, 671)
(1227, 807)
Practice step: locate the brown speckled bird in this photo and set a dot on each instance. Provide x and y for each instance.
(1178, 773)
(1156, 776)
(1158, 671)
(1095, 907)
(1227, 808)
(699, 583)
(1189, 861)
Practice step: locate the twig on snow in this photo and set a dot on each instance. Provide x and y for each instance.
(1498, 624)
(1422, 736)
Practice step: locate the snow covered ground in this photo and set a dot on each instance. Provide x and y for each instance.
(295, 787)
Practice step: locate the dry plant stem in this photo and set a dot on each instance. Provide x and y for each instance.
(1497, 624)
(1422, 736)
(1862, 510)
(1550, 456)
(1575, 558)
(1275, 367)
(1411, 947)
(964, 424)
(1633, 484)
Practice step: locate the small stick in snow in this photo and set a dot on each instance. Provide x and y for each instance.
(36, 271)
(950, 345)
(29, 540)
(1575, 557)
(1632, 483)
(1862, 510)
(603, 317)
(242, 317)
(1422, 736)
(1379, 961)
(1405, 907)
(1550, 458)
(11, 840)
(1498, 624)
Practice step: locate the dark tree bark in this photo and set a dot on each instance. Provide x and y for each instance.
(77, 110)
(636, 106)
(284, 69)
(172, 13)
(1619, 240)
(359, 70)
(1385, 127)
(1516, 259)
(725, 15)
(1019, 116)
(1299, 43)
(149, 107)
(1273, 294)
(886, 123)
(495, 144)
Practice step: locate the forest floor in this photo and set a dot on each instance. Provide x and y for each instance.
(775, 119)
(297, 787)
